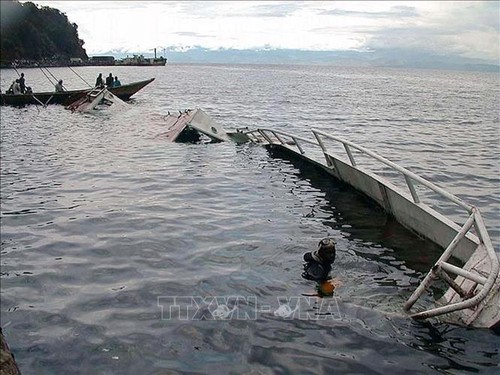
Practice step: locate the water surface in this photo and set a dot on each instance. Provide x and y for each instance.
(103, 222)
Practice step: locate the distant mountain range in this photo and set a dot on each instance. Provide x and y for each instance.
(381, 58)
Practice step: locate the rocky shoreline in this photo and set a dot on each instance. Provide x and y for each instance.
(8, 365)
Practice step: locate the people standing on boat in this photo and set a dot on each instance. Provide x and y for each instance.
(117, 82)
(59, 86)
(109, 80)
(99, 82)
(22, 83)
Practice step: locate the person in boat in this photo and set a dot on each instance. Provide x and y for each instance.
(117, 82)
(59, 86)
(11, 88)
(109, 81)
(99, 82)
(22, 83)
(16, 87)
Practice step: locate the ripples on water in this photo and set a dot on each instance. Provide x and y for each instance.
(101, 216)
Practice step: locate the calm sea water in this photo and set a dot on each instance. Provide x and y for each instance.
(104, 224)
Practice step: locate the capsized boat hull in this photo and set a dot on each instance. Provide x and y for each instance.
(189, 125)
(96, 98)
(178, 130)
(203, 123)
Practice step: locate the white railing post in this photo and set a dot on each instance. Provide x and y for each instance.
(413, 192)
(298, 145)
(278, 138)
(266, 137)
(349, 154)
(323, 148)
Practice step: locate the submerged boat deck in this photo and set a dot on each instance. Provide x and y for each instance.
(473, 295)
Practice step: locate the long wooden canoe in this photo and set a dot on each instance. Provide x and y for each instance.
(124, 92)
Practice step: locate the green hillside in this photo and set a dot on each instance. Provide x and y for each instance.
(37, 34)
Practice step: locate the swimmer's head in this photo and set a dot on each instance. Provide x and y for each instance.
(326, 250)
(319, 263)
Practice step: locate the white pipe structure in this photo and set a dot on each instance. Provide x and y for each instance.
(481, 242)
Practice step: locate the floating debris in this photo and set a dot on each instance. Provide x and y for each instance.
(98, 97)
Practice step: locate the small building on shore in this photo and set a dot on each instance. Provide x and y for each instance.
(75, 61)
(102, 60)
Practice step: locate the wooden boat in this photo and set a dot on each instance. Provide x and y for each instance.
(65, 98)
(124, 92)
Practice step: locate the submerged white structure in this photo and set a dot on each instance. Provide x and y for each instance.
(188, 125)
(473, 297)
(96, 98)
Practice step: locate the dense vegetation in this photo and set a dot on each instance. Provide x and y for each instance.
(37, 34)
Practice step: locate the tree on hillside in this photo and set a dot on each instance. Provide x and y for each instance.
(32, 33)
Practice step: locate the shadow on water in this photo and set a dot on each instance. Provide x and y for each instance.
(361, 219)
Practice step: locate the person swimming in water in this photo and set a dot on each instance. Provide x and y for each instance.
(319, 264)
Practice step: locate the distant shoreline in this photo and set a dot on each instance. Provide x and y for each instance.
(136, 60)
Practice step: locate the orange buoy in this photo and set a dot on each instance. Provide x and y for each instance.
(326, 288)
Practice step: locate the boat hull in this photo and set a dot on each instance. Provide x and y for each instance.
(124, 92)
(188, 126)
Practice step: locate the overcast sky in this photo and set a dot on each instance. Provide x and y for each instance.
(468, 29)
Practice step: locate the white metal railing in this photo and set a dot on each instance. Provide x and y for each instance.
(441, 268)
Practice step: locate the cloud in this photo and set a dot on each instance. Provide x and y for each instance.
(465, 29)
(469, 29)
(394, 12)
(243, 9)
(483, 45)
(94, 6)
(275, 10)
(192, 34)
